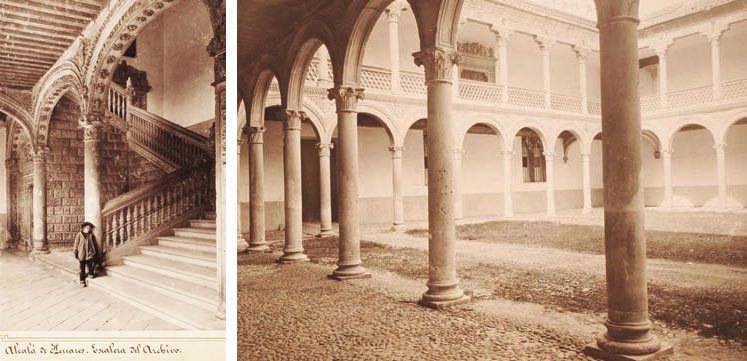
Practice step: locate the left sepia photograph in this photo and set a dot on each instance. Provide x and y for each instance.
(112, 157)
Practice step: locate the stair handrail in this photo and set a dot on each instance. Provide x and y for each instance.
(127, 199)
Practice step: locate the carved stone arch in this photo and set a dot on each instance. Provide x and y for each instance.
(302, 47)
(463, 130)
(577, 134)
(667, 142)
(260, 76)
(11, 106)
(124, 24)
(65, 81)
(316, 121)
(722, 133)
(536, 127)
(385, 118)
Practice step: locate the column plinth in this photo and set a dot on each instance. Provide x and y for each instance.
(39, 231)
(628, 335)
(349, 261)
(398, 225)
(293, 249)
(257, 242)
(325, 190)
(443, 285)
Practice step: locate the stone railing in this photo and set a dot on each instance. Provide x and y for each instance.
(117, 101)
(147, 211)
(376, 79)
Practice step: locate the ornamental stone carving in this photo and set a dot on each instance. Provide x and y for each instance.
(325, 149)
(256, 135)
(438, 63)
(475, 48)
(39, 155)
(346, 98)
(292, 119)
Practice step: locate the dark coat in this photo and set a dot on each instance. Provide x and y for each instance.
(85, 247)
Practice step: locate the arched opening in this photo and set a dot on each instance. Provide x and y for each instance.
(694, 177)
(480, 178)
(415, 171)
(531, 173)
(736, 158)
(652, 169)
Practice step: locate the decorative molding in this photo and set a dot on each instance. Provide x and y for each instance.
(39, 154)
(346, 98)
(438, 63)
(292, 119)
(325, 149)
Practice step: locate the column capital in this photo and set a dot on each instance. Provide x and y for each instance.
(91, 130)
(544, 42)
(507, 154)
(256, 135)
(581, 53)
(396, 151)
(585, 156)
(666, 153)
(714, 30)
(394, 10)
(502, 34)
(438, 63)
(39, 154)
(549, 156)
(346, 98)
(458, 153)
(720, 148)
(292, 119)
(325, 149)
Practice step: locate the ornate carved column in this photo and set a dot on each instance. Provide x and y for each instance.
(397, 193)
(257, 241)
(721, 171)
(550, 182)
(628, 326)
(502, 36)
(443, 285)
(325, 190)
(545, 44)
(217, 50)
(666, 156)
(586, 182)
(581, 54)
(92, 134)
(393, 12)
(661, 49)
(39, 231)
(508, 203)
(458, 197)
(293, 250)
(349, 261)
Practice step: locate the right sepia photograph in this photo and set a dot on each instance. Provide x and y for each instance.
(492, 179)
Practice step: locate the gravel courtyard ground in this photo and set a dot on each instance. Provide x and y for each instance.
(529, 302)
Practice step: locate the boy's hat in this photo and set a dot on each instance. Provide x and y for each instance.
(87, 224)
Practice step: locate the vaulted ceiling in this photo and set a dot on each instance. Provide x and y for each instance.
(34, 33)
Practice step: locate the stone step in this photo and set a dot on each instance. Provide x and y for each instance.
(210, 215)
(182, 290)
(204, 233)
(206, 259)
(173, 310)
(197, 244)
(202, 223)
(204, 276)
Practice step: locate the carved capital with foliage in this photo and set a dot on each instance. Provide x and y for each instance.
(438, 63)
(346, 98)
(39, 154)
(256, 135)
(292, 119)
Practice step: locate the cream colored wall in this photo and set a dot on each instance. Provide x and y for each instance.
(689, 63)
(734, 52)
(172, 50)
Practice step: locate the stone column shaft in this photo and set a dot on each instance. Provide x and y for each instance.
(325, 190)
(581, 55)
(39, 231)
(586, 182)
(628, 325)
(293, 250)
(663, 90)
(92, 177)
(550, 182)
(716, 65)
(721, 169)
(501, 74)
(393, 13)
(349, 261)
(666, 156)
(397, 191)
(508, 204)
(458, 197)
(257, 242)
(545, 45)
(443, 289)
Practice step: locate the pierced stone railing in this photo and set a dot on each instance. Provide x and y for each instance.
(413, 83)
(479, 91)
(594, 106)
(734, 89)
(376, 78)
(566, 103)
(650, 103)
(526, 98)
(690, 97)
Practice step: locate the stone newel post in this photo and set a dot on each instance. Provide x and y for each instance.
(325, 190)
(293, 251)
(443, 285)
(257, 241)
(349, 261)
(39, 232)
(628, 326)
(92, 133)
(397, 196)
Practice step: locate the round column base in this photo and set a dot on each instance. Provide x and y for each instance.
(439, 297)
(325, 233)
(595, 350)
(293, 258)
(343, 273)
(258, 248)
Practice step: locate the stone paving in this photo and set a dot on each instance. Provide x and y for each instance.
(37, 298)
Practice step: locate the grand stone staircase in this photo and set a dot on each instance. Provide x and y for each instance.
(161, 238)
